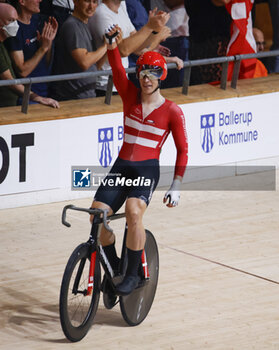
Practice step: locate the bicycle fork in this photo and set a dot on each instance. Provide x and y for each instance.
(93, 253)
(91, 273)
(105, 264)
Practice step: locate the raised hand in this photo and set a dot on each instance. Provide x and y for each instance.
(48, 33)
(157, 19)
(54, 26)
(113, 35)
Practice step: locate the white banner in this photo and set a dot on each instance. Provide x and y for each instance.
(227, 131)
(233, 130)
(29, 154)
(38, 156)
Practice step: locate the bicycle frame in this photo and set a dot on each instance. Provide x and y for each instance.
(100, 217)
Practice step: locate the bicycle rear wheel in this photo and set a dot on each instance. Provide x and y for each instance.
(135, 306)
(77, 309)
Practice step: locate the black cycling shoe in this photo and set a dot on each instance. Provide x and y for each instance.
(128, 284)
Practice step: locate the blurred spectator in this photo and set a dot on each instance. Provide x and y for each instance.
(9, 94)
(46, 7)
(139, 18)
(260, 70)
(31, 49)
(76, 52)
(147, 38)
(61, 10)
(272, 63)
(242, 40)
(178, 42)
(8, 21)
(259, 37)
(209, 29)
(137, 13)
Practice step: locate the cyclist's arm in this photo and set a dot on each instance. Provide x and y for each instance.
(177, 126)
(178, 129)
(123, 85)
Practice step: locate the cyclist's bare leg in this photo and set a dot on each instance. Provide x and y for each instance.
(134, 210)
(135, 241)
(106, 237)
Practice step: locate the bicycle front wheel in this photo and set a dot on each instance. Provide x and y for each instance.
(135, 306)
(77, 307)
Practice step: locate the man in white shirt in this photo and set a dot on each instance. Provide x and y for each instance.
(147, 38)
(178, 42)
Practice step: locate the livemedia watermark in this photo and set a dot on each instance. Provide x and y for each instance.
(196, 178)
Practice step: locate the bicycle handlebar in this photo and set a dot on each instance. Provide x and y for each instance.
(92, 211)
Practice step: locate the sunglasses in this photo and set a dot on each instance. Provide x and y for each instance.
(151, 73)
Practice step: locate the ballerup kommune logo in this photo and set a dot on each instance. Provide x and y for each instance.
(233, 128)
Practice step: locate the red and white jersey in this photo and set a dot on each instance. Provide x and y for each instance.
(242, 40)
(144, 137)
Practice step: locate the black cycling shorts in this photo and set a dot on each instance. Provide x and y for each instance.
(128, 179)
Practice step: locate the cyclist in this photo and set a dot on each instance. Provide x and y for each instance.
(148, 120)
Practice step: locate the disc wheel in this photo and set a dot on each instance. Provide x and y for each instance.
(77, 309)
(135, 306)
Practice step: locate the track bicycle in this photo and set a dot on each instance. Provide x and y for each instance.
(81, 284)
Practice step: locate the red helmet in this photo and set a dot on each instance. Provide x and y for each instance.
(152, 60)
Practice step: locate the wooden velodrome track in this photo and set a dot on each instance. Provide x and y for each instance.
(219, 266)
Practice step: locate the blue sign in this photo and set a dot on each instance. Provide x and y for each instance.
(207, 132)
(105, 143)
